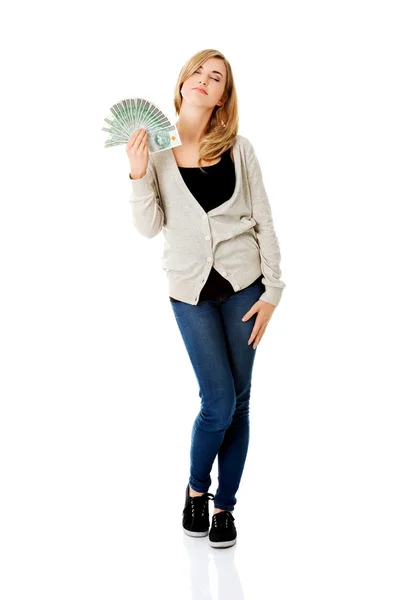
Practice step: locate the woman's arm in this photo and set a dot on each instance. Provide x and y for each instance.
(267, 240)
(145, 200)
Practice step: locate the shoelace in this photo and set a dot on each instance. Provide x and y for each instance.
(202, 500)
(224, 521)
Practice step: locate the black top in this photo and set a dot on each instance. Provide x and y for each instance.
(211, 189)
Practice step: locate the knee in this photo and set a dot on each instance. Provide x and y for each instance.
(217, 415)
(213, 424)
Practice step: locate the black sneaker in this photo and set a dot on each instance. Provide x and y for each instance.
(223, 531)
(195, 520)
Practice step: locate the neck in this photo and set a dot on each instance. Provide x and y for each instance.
(192, 123)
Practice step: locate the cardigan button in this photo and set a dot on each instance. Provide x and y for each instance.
(237, 287)
(209, 259)
(224, 273)
(208, 238)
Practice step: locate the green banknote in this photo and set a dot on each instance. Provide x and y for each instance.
(127, 116)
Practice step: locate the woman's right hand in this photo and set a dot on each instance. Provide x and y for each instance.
(137, 150)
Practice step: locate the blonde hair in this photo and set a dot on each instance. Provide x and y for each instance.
(222, 127)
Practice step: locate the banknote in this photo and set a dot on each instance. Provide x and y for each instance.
(129, 115)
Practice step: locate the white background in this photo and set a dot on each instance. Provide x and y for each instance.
(98, 396)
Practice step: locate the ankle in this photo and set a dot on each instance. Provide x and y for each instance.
(192, 493)
(218, 510)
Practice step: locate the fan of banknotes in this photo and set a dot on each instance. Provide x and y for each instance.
(129, 115)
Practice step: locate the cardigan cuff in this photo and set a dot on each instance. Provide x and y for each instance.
(272, 295)
(142, 186)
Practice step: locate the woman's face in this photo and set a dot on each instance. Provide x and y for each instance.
(210, 77)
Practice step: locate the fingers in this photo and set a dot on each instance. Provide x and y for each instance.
(138, 140)
(256, 328)
(257, 333)
(260, 334)
(143, 141)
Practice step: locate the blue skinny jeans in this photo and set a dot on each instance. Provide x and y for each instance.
(216, 340)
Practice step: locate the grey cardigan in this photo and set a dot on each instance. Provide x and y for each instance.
(237, 237)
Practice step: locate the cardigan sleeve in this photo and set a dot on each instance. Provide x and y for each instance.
(265, 232)
(146, 204)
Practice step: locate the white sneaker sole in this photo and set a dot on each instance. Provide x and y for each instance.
(195, 533)
(223, 544)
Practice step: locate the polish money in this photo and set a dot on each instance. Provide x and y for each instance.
(127, 116)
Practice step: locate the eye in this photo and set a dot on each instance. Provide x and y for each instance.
(198, 71)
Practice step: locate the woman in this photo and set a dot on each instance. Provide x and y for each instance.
(222, 260)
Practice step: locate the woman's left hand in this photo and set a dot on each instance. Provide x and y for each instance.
(264, 310)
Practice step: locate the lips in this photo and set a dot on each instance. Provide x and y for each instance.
(201, 90)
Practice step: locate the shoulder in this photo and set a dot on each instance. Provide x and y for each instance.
(245, 145)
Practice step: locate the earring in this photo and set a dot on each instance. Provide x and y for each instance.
(222, 122)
